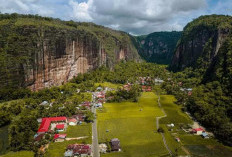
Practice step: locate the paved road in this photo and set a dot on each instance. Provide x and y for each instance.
(95, 146)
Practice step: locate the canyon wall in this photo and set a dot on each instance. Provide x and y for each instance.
(48, 54)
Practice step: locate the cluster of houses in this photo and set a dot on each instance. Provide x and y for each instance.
(146, 88)
(83, 150)
(57, 124)
(114, 145)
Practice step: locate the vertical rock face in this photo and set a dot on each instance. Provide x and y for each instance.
(48, 55)
(201, 42)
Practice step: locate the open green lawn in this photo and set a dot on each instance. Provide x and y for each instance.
(108, 84)
(173, 111)
(57, 149)
(135, 125)
(19, 154)
(79, 130)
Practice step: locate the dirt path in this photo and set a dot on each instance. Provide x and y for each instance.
(77, 138)
(157, 126)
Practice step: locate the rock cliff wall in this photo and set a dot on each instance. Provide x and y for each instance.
(38, 56)
(201, 42)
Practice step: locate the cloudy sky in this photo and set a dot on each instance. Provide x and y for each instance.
(133, 16)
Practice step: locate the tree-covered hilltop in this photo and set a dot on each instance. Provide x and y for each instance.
(33, 48)
(203, 56)
(158, 47)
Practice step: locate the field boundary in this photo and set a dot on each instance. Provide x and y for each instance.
(157, 126)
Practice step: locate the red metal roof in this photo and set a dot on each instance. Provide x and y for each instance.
(198, 129)
(44, 126)
(56, 136)
(60, 126)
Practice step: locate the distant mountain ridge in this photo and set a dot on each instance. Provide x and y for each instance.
(158, 47)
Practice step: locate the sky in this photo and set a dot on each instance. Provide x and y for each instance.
(137, 17)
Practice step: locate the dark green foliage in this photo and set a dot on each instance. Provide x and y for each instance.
(22, 131)
(124, 95)
(158, 47)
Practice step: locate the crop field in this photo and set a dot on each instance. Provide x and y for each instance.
(135, 126)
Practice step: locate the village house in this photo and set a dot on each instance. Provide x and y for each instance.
(59, 137)
(146, 88)
(46, 122)
(60, 127)
(86, 104)
(78, 150)
(115, 144)
(72, 121)
(197, 131)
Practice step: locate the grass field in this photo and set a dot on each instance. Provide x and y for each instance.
(135, 126)
(57, 149)
(108, 84)
(19, 154)
(173, 111)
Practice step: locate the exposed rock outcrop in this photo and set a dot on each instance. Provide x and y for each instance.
(201, 42)
(50, 54)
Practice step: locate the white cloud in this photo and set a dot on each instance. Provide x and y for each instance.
(80, 11)
(134, 16)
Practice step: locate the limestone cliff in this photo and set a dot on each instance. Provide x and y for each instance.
(201, 41)
(39, 52)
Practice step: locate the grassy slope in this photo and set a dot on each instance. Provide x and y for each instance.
(135, 128)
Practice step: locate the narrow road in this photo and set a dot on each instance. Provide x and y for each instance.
(95, 146)
(157, 126)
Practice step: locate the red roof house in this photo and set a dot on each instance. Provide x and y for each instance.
(198, 131)
(60, 126)
(44, 126)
